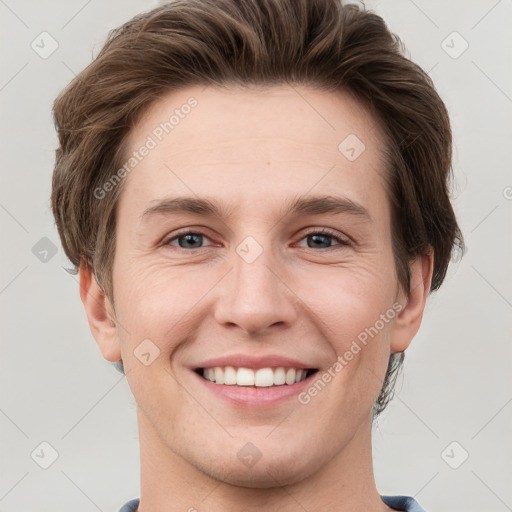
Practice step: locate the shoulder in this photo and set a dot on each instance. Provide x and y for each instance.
(404, 503)
(130, 506)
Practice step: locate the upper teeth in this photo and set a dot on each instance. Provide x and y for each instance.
(263, 377)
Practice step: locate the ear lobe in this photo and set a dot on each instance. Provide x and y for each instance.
(100, 315)
(408, 320)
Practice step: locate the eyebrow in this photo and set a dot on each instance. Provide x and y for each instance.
(303, 205)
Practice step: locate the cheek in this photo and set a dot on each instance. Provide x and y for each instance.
(155, 302)
(360, 337)
(352, 300)
(356, 314)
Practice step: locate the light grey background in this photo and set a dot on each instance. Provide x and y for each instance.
(55, 386)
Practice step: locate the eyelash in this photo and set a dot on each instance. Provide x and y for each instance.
(319, 231)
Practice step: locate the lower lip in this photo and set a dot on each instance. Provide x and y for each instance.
(250, 396)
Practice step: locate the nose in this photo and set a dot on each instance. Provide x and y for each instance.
(255, 297)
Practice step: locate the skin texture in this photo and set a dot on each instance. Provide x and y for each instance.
(252, 151)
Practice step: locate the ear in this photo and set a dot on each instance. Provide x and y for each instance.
(100, 315)
(408, 320)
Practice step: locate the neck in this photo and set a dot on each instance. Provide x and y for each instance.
(169, 482)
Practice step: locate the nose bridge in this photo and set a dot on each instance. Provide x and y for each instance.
(255, 297)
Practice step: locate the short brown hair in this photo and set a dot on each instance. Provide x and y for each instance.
(319, 43)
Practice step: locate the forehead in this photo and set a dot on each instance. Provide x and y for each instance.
(245, 144)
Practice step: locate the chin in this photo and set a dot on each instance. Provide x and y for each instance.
(273, 469)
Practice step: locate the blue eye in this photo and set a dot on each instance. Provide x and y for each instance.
(319, 239)
(188, 240)
(322, 239)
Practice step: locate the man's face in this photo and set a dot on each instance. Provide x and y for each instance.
(255, 286)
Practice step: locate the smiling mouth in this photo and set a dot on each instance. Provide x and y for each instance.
(259, 378)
